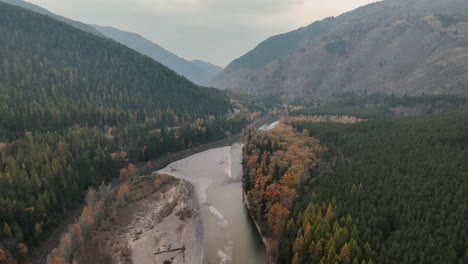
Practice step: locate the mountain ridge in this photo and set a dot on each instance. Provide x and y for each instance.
(397, 47)
(199, 73)
(38, 9)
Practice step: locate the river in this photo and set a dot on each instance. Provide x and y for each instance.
(229, 234)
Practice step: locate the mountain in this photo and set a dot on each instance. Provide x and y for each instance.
(197, 71)
(394, 46)
(35, 8)
(57, 75)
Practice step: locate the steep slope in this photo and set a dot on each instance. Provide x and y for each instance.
(197, 71)
(35, 8)
(395, 46)
(268, 51)
(54, 76)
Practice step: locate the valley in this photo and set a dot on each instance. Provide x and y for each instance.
(344, 141)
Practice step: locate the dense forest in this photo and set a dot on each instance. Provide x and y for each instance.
(68, 99)
(380, 105)
(396, 191)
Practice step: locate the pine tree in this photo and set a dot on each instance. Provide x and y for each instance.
(345, 254)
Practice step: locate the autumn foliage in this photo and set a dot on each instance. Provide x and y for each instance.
(343, 119)
(279, 166)
(3, 256)
(124, 174)
(276, 164)
(91, 215)
(123, 189)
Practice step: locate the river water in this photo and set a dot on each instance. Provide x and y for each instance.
(229, 234)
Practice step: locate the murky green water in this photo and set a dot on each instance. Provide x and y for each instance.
(240, 237)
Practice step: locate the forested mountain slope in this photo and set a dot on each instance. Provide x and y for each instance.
(55, 76)
(68, 99)
(35, 8)
(199, 72)
(393, 46)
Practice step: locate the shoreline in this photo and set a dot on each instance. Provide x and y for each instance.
(160, 221)
(266, 240)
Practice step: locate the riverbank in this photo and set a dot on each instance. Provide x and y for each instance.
(265, 239)
(159, 222)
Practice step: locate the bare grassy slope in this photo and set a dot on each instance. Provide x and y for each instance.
(395, 46)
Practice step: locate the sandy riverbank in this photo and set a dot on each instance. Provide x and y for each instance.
(159, 223)
(205, 170)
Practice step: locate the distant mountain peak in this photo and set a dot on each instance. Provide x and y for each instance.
(197, 71)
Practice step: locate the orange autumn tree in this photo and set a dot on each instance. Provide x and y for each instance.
(277, 217)
(3, 256)
(91, 215)
(149, 164)
(123, 189)
(131, 168)
(77, 231)
(124, 174)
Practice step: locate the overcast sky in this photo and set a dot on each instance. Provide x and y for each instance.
(216, 31)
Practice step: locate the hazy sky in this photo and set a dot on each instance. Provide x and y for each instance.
(216, 31)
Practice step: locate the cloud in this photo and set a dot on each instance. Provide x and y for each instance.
(228, 7)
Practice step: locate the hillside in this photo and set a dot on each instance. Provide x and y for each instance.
(74, 109)
(35, 8)
(395, 46)
(77, 78)
(199, 72)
